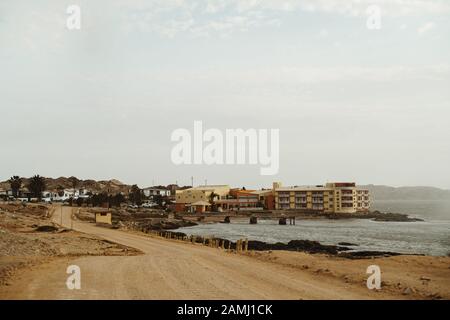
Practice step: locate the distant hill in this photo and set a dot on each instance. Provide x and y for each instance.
(111, 186)
(378, 192)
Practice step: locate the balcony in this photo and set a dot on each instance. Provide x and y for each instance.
(317, 200)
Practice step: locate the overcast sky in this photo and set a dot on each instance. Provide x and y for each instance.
(352, 104)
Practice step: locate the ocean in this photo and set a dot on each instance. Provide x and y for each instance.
(431, 237)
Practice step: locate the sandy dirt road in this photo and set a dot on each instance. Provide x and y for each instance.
(169, 269)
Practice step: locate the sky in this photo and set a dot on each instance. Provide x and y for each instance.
(351, 103)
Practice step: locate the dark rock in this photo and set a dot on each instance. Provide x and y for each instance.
(367, 254)
(173, 234)
(46, 229)
(347, 244)
(296, 245)
(374, 215)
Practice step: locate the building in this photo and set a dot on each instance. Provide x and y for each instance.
(266, 198)
(225, 199)
(153, 191)
(199, 206)
(362, 200)
(336, 197)
(184, 198)
(5, 194)
(65, 194)
(239, 199)
(103, 218)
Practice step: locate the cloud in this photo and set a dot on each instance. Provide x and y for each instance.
(351, 7)
(315, 75)
(224, 17)
(323, 33)
(425, 28)
(37, 30)
(272, 76)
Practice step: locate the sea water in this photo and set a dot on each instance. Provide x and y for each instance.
(431, 237)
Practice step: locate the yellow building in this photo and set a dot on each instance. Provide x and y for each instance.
(103, 218)
(337, 197)
(186, 197)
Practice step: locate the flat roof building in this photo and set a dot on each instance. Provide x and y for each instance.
(336, 197)
(189, 196)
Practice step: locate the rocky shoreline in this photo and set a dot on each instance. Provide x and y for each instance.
(307, 246)
(375, 216)
(161, 222)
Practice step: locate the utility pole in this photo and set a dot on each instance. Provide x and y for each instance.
(192, 181)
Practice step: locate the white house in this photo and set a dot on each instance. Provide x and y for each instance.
(65, 194)
(150, 192)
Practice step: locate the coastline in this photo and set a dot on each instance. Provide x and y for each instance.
(343, 248)
(267, 274)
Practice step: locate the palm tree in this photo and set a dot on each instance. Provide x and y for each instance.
(74, 181)
(16, 183)
(212, 197)
(117, 200)
(36, 185)
(60, 190)
(135, 195)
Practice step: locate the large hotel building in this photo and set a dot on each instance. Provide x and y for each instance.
(337, 197)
